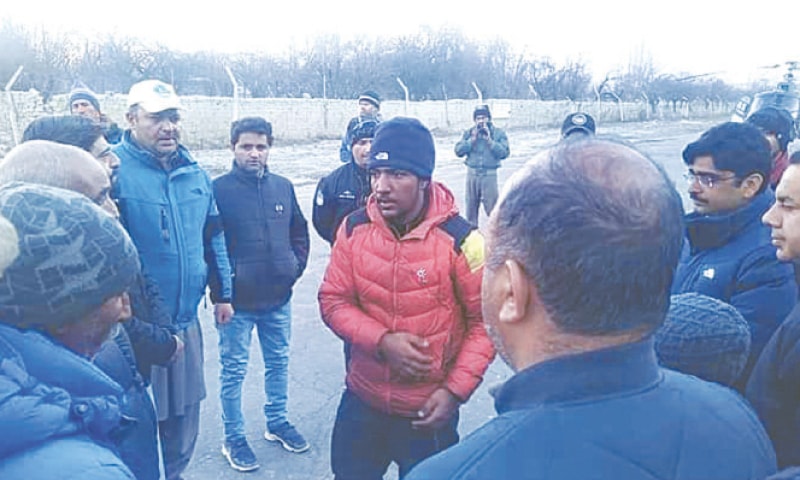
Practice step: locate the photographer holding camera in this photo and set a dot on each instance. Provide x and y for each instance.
(484, 145)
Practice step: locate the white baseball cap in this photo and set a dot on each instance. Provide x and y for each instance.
(154, 96)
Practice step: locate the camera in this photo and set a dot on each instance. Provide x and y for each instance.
(482, 130)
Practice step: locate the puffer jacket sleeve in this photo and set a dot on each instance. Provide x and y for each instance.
(338, 299)
(30, 411)
(476, 351)
(765, 292)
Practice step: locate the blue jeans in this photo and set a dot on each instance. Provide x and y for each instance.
(274, 331)
(365, 441)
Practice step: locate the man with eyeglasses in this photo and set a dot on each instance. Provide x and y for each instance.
(727, 251)
(166, 202)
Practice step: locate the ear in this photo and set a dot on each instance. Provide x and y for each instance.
(515, 291)
(751, 184)
(130, 117)
(423, 184)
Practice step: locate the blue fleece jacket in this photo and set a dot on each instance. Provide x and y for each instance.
(172, 217)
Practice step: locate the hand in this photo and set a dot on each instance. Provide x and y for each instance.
(438, 409)
(178, 350)
(223, 313)
(473, 134)
(405, 354)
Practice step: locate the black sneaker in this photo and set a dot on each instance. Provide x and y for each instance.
(289, 437)
(239, 455)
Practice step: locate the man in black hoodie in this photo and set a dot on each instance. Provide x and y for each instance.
(267, 240)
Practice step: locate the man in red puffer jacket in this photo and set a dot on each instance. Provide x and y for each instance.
(403, 288)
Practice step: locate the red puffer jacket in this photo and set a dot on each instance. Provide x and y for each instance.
(423, 283)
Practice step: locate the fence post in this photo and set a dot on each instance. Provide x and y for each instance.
(12, 111)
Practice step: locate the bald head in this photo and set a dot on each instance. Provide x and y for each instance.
(58, 165)
(597, 227)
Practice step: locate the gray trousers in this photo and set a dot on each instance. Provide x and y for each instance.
(178, 390)
(178, 438)
(481, 188)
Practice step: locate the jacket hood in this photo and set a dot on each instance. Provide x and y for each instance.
(47, 391)
(441, 206)
(712, 231)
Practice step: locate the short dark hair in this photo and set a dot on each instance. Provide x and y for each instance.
(598, 228)
(75, 130)
(794, 158)
(251, 125)
(737, 147)
(777, 121)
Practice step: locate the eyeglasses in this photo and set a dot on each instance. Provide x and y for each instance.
(708, 180)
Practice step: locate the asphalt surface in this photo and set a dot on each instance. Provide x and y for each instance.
(316, 368)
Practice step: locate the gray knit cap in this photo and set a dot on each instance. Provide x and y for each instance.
(83, 93)
(704, 337)
(72, 257)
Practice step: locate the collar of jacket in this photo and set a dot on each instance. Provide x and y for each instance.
(706, 231)
(180, 158)
(585, 376)
(249, 177)
(441, 206)
(52, 363)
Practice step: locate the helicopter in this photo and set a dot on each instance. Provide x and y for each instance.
(786, 96)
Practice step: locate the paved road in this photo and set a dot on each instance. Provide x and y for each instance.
(316, 365)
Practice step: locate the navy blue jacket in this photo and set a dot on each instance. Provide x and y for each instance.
(610, 414)
(59, 414)
(340, 193)
(266, 235)
(774, 389)
(730, 257)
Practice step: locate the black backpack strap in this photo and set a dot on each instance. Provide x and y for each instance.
(358, 217)
(458, 228)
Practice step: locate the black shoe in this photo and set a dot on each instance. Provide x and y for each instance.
(239, 455)
(289, 437)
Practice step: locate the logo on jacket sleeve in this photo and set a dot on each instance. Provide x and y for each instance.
(709, 273)
(320, 198)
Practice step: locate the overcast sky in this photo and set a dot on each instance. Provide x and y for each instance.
(692, 36)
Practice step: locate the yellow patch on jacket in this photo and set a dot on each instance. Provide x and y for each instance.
(472, 246)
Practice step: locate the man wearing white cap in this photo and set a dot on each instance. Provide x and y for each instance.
(167, 204)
